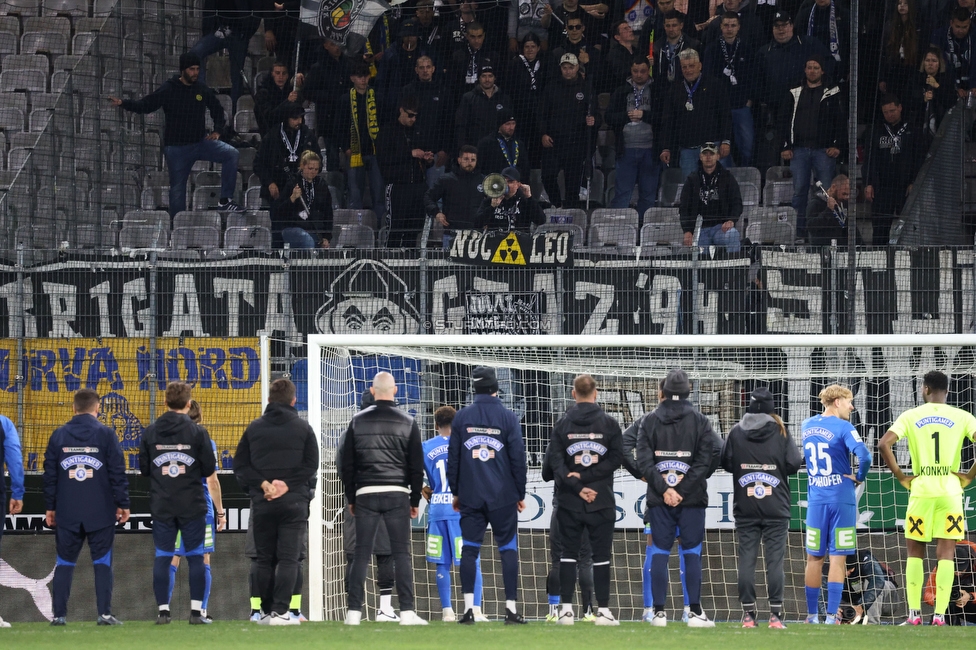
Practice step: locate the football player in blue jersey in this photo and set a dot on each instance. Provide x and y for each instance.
(12, 457)
(216, 520)
(828, 441)
(443, 524)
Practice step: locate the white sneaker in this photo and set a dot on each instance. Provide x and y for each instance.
(387, 617)
(447, 615)
(685, 614)
(265, 619)
(566, 618)
(353, 617)
(282, 619)
(410, 617)
(660, 619)
(605, 618)
(4, 623)
(479, 617)
(699, 620)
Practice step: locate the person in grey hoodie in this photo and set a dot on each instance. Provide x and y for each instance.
(761, 456)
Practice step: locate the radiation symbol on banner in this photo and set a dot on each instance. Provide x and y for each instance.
(509, 251)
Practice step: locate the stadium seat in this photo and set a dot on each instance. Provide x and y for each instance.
(194, 237)
(24, 72)
(195, 218)
(250, 218)
(143, 237)
(8, 43)
(573, 216)
(746, 175)
(252, 199)
(353, 235)
(579, 237)
(627, 216)
(779, 214)
(771, 233)
(50, 43)
(17, 157)
(205, 198)
(620, 235)
(245, 122)
(749, 192)
(354, 216)
(661, 234)
(661, 215)
(61, 7)
(779, 186)
(247, 237)
(20, 7)
(669, 194)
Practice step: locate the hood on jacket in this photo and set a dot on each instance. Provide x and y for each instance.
(280, 413)
(171, 422)
(584, 413)
(759, 427)
(80, 426)
(670, 411)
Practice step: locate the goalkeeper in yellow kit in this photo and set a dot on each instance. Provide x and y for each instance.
(935, 433)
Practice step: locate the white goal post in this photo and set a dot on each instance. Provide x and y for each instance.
(882, 369)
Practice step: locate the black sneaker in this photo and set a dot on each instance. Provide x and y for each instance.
(227, 205)
(467, 619)
(108, 619)
(200, 620)
(163, 618)
(511, 618)
(58, 621)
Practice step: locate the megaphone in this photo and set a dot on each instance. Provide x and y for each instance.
(495, 186)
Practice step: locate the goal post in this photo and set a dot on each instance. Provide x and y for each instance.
(535, 376)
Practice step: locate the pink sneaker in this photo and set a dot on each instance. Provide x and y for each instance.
(938, 619)
(775, 623)
(748, 620)
(913, 620)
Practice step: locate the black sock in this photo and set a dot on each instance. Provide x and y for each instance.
(658, 609)
(696, 608)
(752, 614)
(195, 612)
(295, 612)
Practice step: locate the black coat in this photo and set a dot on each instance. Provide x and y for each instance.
(383, 447)
(710, 121)
(268, 102)
(491, 159)
(272, 164)
(477, 115)
(279, 445)
(565, 107)
(729, 195)
(513, 213)
(435, 113)
(186, 116)
(176, 455)
(460, 194)
(586, 441)
(761, 460)
(394, 148)
(287, 214)
(831, 119)
(326, 83)
(676, 448)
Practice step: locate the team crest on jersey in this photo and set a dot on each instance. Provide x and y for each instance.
(762, 484)
(173, 464)
(673, 471)
(84, 467)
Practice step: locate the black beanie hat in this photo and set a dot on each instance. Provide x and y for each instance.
(188, 60)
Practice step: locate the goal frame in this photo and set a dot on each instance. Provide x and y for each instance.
(315, 343)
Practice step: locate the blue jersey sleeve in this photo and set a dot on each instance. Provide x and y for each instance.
(14, 458)
(857, 447)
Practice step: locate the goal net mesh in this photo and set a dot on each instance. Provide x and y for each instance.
(535, 383)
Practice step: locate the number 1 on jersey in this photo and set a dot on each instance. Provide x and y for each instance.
(442, 468)
(935, 437)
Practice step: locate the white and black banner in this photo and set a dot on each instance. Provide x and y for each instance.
(917, 291)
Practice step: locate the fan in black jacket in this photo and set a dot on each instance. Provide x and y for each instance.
(586, 449)
(517, 210)
(761, 456)
(302, 217)
(281, 151)
(176, 455)
(677, 451)
(455, 197)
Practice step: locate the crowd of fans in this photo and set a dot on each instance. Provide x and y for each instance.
(734, 84)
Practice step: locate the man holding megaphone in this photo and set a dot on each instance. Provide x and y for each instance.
(510, 206)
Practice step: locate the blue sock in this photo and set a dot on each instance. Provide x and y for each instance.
(646, 579)
(443, 576)
(553, 599)
(208, 581)
(172, 581)
(834, 592)
(684, 577)
(813, 598)
(478, 583)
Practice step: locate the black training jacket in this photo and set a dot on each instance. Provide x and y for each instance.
(278, 445)
(588, 442)
(176, 455)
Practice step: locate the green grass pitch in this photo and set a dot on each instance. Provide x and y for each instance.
(493, 636)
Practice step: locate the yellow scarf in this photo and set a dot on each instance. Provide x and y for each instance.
(372, 123)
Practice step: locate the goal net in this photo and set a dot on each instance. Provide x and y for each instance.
(535, 377)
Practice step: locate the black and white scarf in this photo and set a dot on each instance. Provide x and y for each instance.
(709, 186)
(533, 70)
(834, 42)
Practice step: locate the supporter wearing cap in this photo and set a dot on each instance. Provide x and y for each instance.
(477, 114)
(712, 193)
(565, 119)
(516, 210)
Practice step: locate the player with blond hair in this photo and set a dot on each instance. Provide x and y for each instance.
(828, 441)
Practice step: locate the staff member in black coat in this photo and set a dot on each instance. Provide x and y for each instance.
(677, 451)
(176, 455)
(761, 456)
(404, 157)
(586, 449)
(303, 216)
(276, 459)
(459, 193)
(382, 474)
(86, 493)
